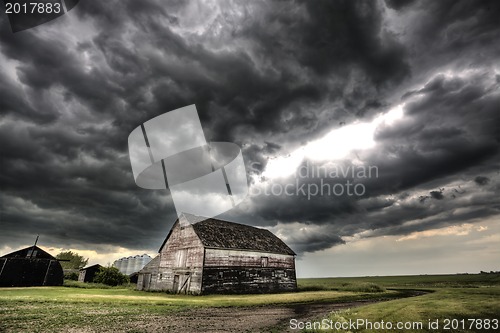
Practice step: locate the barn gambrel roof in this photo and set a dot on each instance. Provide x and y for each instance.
(215, 233)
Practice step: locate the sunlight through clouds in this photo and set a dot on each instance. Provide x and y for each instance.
(335, 145)
(455, 230)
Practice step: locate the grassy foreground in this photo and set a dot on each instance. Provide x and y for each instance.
(60, 309)
(458, 303)
(88, 308)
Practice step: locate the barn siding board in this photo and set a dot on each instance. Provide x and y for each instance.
(190, 261)
(228, 270)
(225, 257)
(248, 280)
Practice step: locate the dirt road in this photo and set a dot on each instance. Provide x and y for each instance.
(235, 320)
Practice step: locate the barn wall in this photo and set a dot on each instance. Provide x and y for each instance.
(181, 262)
(227, 257)
(237, 271)
(148, 276)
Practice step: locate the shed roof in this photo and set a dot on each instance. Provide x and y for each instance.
(215, 233)
(91, 266)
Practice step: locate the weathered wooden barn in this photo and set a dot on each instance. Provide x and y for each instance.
(87, 274)
(28, 267)
(213, 256)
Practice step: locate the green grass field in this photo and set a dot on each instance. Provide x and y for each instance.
(60, 308)
(410, 281)
(53, 309)
(456, 303)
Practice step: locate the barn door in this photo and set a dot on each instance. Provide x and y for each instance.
(175, 288)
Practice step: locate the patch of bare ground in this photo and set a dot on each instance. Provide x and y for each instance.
(239, 319)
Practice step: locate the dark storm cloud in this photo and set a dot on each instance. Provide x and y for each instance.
(298, 50)
(447, 129)
(263, 76)
(450, 34)
(449, 133)
(438, 195)
(480, 180)
(305, 241)
(14, 100)
(398, 4)
(46, 62)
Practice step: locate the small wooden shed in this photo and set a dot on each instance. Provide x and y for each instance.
(87, 273)
(202, 255)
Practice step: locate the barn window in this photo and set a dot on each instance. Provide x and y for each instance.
(161, 276)
(264, 261)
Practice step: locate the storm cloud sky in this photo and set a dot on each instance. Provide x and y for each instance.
(411, 88)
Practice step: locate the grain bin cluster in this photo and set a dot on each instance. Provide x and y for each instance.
(132, 264)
